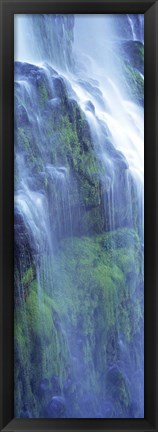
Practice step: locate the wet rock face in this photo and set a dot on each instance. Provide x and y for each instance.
(25, 413)
(90, 107)
(134, 54)
(23, 69)
(44, 386)
(56, 389)
(56, 408)
(67, 144)
(22, 239)
(129, 26)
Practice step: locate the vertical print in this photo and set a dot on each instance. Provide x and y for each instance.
(79, 216)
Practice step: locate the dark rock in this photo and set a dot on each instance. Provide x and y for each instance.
(25, 413)
(67, 386)
(56, 408)
(22, 115)
(133, 52)
(112, 345)
(113, 374)
(24, 69)
(59, 87)
(90, 107)
(23, 240)
(115, 155)
(44, 385)
(56, 389)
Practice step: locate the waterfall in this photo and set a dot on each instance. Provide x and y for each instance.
(79, 216)
(134, 37)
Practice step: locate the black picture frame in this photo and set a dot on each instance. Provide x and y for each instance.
(7, 10)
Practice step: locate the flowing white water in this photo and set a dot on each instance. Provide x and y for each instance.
(134, 37)
(123, 118)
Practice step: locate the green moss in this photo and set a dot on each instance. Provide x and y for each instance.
(93, 220)
(28, 276)
(72, 147)
(98, 270)
(38, 344)
(22, 139)
(135, 83)
(141, 52)
(43, 91)
(93, 282)
(130, 63)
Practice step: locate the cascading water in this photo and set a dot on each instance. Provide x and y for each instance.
(79, 211)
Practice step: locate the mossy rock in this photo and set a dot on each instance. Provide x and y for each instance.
(133, 52)
(99, 279)
(135, 84)
(37, 349)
